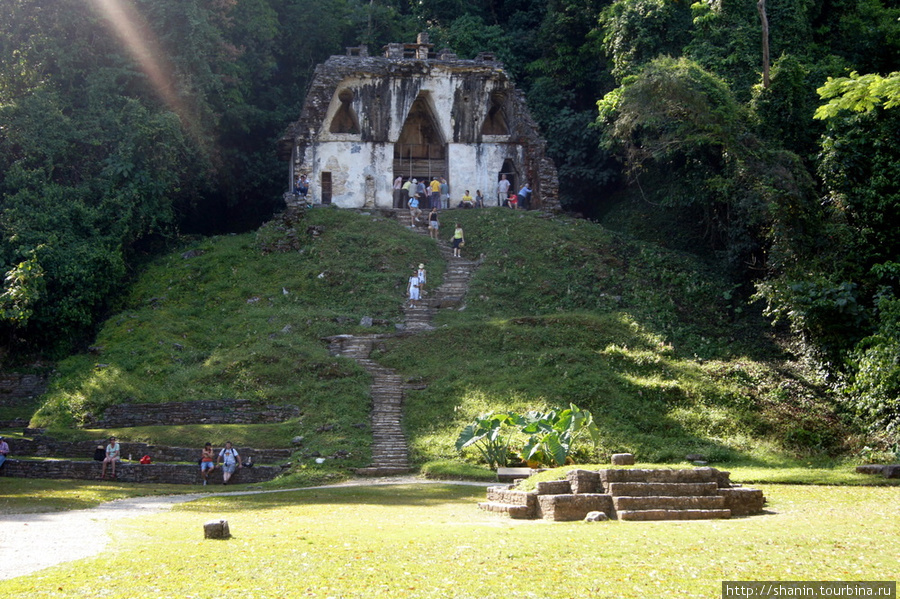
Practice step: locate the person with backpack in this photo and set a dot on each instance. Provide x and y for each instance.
(230, 461)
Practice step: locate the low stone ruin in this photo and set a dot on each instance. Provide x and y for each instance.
(885, 470)
(629, 494)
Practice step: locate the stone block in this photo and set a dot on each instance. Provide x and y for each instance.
(584, 481)
(892, 471)
(567, 508)
(870, 469)
(217, 529)
(509, 496)
(553, 487)
(623, 459)
(661, 475)
(662, 489)
(743, 502)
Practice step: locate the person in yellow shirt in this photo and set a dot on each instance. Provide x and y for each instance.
(435, 199)
(467, 201)
(459, 240)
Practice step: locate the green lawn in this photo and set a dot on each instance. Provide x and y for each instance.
(432, 541)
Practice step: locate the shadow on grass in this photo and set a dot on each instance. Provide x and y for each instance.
(385, 495)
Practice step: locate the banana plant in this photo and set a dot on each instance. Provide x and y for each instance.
(553, 434)
(487, 434)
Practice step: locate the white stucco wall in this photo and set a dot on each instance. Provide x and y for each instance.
(475, 166)
(350, 164)
(351, 161)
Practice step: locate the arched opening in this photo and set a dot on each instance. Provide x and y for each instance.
(495, 122)
(420, 152)
(345, 120)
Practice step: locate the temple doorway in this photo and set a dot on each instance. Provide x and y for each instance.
(421, 151)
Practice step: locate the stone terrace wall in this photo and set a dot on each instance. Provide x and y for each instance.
(18, 389)
(179, 474)
(48, 447)
(229, 411)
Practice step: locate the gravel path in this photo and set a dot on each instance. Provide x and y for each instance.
(32, 542)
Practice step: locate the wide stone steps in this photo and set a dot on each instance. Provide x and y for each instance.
(703, 502)
(662, 489)
(649, 515)
(516, 511)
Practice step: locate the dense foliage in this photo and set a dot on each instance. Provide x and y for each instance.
(123, 122)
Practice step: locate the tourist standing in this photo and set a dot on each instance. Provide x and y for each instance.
(422, 278)
(112, 456)
(525, 197)
(420, 191)
(433, 224)
(412, 288)
(445, 192)
(230, 460)
(502, 190)
(398, 190)
(459, 240)
(435, 200)
(408, 192)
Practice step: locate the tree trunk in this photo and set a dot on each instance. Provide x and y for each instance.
(764, 20)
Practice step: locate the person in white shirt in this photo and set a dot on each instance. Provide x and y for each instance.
(112, 456)
(230, 461)
(412, 287)
(502, 190)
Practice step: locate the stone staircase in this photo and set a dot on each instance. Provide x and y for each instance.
(390, 454)
(665, 494)
(389, 450)
(630, 494)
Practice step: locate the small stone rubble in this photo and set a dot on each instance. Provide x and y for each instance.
(629, 494)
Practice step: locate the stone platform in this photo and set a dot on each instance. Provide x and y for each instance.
(132, 472)
(629, 494)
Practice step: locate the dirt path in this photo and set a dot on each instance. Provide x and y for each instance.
(32, 542)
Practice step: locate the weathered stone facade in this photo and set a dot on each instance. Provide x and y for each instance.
(417, 114)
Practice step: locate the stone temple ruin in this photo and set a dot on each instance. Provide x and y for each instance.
(418, 114)
(629, 494)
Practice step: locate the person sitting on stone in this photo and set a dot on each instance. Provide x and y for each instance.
(230, 460)
(4, 450)
(467, 201)
(207, 463)
(112, 456)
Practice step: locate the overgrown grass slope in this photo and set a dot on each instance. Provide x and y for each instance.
(560, 310)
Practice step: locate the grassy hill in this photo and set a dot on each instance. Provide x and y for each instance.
(560, 311)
